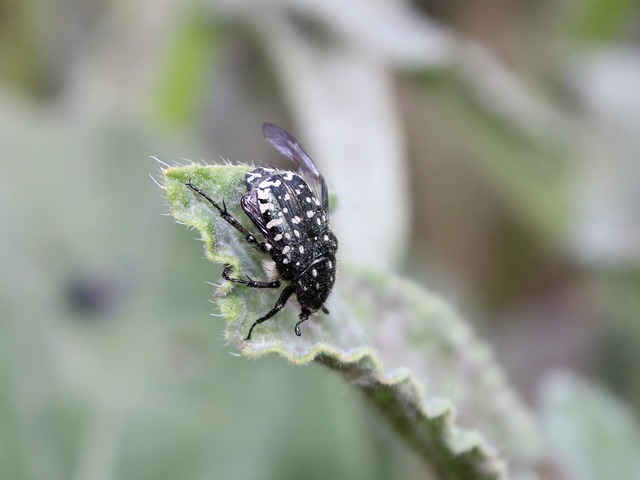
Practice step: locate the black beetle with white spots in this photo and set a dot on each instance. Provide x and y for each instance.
(291, 212)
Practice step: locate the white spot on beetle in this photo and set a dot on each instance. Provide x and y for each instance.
(314, 272)
(266, 183)
(274, 223)
(270, 268)
(266, 206)
(278, 237)
(301, 249)
(311, 213)
(286, 249)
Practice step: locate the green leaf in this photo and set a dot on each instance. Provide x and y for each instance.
(189, 63)
(593, 434)
(604, 20)
(383, 333)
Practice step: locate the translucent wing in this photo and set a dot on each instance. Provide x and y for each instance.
(289, 147)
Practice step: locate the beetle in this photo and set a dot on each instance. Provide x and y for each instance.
(290, 210)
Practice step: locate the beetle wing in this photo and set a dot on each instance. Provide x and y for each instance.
(290, 148)
(251, 207)
(294, 213)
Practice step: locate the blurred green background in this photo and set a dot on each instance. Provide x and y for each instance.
(489, 150)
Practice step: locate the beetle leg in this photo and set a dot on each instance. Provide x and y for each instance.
(230, 219)
(250, 282)
(304, 316)
(282, 300)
